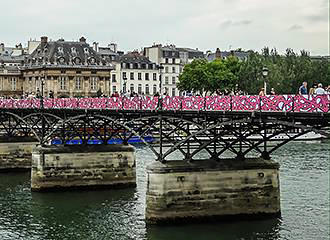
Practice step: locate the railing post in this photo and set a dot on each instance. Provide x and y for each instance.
(231, 103)
(293, 103)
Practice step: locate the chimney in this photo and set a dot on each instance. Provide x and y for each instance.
(96, 46)
(2, 47)
(82, 40)
(43, 41)
(218, 54)
(113, 47)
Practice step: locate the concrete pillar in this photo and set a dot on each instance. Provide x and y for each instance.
(15, 153)
(91, 166)
(182, 191)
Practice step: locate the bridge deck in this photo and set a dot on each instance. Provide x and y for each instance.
(278, 103)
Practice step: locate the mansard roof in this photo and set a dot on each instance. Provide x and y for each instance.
(62, 53)
(134, 57)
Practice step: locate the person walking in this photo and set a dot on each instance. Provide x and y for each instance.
(262, 92)
(319, 90)
(303, 89)
(272, 91)
(312, 90)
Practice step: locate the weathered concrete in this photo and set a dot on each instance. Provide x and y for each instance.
(16, 154)
(92, 166)
(182, 191)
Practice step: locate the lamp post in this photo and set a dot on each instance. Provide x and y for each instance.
(124, 84)
(160, 67)
(265, 74)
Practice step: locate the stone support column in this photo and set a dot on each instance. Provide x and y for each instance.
(91, 166)
(183, 191)
(15, 154)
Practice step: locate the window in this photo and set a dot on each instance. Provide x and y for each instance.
(154, 89)
(93, 83)
(173, 60)
(173, 80)
(114, 78)
(114, 89)
(147, 89)
(166, 69)
(173, 69)
(124, 75)
(154, 76)
(78, 83)
(131, 76)
(140, 89)
(139, 76)
(62, 82)
(166, 80)
(180, 69)
(173, 92)
(132, 87)
(13, 84)
(166, 60)
(146, 76)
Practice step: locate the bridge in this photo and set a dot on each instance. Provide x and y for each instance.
(226, 137)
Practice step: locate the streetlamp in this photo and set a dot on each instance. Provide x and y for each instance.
(265, 74)
(160, 67)
(124, 85)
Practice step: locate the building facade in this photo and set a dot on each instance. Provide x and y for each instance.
(173, 60)
(11, 81)
(66, 69)
(137, 74)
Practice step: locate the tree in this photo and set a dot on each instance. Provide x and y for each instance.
(208, 77)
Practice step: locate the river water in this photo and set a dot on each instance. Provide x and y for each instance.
(119, 214)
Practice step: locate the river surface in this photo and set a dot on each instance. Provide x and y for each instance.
(119, 214)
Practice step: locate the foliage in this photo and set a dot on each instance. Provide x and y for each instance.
(208, 77)
(286, 73)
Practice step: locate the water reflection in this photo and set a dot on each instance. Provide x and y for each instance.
(119, 214)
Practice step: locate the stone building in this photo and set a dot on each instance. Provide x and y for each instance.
(11, 81)
(241, 55)
(173, 60)
(67, 69)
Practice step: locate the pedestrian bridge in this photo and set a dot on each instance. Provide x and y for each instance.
(190, 125)
(223, 143)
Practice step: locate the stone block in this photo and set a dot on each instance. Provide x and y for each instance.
(91, 166)
(183, 191)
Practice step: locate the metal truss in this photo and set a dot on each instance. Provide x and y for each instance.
(186, 135)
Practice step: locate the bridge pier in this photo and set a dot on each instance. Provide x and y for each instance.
(88, 166)
(16, 153)
(200, 190)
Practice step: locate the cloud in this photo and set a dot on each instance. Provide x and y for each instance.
(230, 23)
(295, 27)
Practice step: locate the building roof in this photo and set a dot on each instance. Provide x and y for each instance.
(65, 54)
(225, 54)
(134, 57)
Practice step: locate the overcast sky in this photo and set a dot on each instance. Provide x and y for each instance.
(203, 24)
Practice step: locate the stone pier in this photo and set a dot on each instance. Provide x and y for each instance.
(16, 153)
(91, 166)
(207, 190)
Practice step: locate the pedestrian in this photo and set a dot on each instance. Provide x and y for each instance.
(262, 92)
(312, 90)
(272, 91)
(303, 89)
(319, 90)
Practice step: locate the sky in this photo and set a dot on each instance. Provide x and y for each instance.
(202, 24)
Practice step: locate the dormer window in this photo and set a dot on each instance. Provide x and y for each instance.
(60, 49)
(39, 51)
(73, 50)
(45, 50)
(86, 50)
